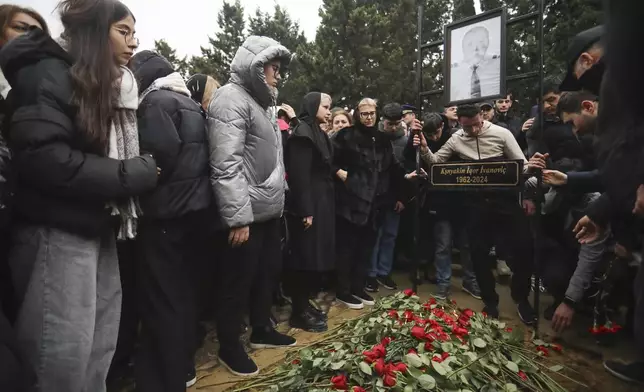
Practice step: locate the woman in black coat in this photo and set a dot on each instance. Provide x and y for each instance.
(310, 209)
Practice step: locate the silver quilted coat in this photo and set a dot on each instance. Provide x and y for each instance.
(247, 169)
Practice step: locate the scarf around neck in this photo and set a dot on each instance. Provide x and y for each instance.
(124, 144)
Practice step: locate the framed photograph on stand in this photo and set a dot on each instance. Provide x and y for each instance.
(475, 53)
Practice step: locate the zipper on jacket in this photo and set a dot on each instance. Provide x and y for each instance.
(478, 149)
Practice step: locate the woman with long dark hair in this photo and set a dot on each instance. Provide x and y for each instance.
(76, 158)
(14, 373)
(310, 206)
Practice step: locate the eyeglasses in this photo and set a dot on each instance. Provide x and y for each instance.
(129, 37)
(367, 114)
(22, 27)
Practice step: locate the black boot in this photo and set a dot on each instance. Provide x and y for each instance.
(318, 313)
(307, 320)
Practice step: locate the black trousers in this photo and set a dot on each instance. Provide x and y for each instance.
(129, 324)
(247, 276)
(301, 286)
(354, 245)
(492, 221)
(170, 254)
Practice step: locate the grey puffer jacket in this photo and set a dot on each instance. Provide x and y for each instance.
(247, 168)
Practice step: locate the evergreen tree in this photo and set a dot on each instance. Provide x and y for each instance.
(463, 9)
(164, 49)
(215, 60)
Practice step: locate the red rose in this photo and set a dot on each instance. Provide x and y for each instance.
(393, 314)
(409, 292)
(295, 362)
(543, 350)
(370, 356)
(408, 315)
(523, 376)
(437, 358)
(460, 331)
(508, 329)
(389, 381)
(385, 341)
(379, 350)
(445, 355)
(418, 332)
(380, 366)
(412, 351)
(429, 346)
(339, 382)
(556, 347)
(400, 367)
(359, 389)
(469, 313)
(484, 314)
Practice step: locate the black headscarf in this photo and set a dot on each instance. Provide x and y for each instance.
(310, 128)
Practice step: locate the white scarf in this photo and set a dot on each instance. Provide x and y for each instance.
(124, 144)
(173, 82)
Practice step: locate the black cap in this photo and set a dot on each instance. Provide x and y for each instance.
(580, 43)
(407, 108)
(486, 103)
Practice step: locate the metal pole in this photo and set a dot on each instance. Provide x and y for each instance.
(537, 220)
(419, 102)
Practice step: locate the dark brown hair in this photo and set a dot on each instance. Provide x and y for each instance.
(94, 74)
(9, 11)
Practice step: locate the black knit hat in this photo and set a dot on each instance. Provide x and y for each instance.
(197, 86)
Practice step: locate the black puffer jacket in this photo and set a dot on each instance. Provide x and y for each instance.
(375, 179)
(568, 152)
(62, 180)
(173, 128)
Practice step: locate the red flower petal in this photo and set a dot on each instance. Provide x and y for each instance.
(389, 381)
(409, 292)
(339, 382)
(379, 367)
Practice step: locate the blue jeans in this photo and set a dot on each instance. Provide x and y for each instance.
(382, 258)
(443, 236)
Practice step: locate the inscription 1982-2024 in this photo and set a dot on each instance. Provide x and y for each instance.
(502, 174)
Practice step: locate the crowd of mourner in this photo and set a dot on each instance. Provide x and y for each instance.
(136, 204)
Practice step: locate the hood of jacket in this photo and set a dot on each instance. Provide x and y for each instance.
(149, 66)
(247, 67)
(153, 72)
(29, 49)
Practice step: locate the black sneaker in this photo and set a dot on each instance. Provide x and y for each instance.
(472, 288)
(191, 378)
(387, 282)
(491, 311)
(630, 372)
(237, 361)
(526, 312)
(270, 338)
(372, 285)
(307, 321)
(350, 301)
(365, 298)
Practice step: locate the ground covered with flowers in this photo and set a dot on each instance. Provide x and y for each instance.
(409, 345)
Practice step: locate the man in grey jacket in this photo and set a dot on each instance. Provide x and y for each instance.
(248, 180)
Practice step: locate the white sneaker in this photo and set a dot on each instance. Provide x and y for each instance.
(502, 268)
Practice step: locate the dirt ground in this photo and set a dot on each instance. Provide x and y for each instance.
(581, 352)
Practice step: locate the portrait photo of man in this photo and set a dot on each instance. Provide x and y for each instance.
(475, 61)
